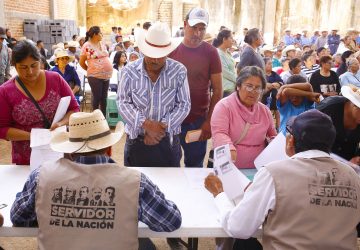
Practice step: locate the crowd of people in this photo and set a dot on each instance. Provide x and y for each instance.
(235, 90)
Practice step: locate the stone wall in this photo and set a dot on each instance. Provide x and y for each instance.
(15, 11)
(66, 9)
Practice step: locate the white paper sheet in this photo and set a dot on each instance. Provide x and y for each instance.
(61, 109)
(39, 155)
(39, 137)
(40, 146)
(275, 151)
(234, 182)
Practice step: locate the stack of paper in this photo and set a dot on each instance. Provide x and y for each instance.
(40, 146)
(275, 151)
(234, 182)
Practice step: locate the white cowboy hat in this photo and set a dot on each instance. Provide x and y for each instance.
(126, 39)
(287, 49)
(58, 53)
(58, 46)
(87, 132)
(157, 41)
(352, 93)
(73, 44)
(267, 47)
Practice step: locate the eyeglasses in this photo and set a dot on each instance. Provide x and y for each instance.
(251, 88)
(289, 129)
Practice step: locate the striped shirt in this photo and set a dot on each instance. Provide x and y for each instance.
(160, 214)
(308, 72)
(167, 100)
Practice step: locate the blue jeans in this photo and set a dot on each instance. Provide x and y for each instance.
(194, 152)
(163, 154)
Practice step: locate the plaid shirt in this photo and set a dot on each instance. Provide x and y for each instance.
(154, 210)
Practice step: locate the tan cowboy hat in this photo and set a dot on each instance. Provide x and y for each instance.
(352, 93)
(58, 53)
(88, 132)
(157, 41)
(287, 49)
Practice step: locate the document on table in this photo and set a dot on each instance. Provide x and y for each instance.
(61, 109)
(275, 151)
(40, 146)
(234, 182)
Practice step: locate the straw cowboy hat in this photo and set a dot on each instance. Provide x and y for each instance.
(287, 49)
(352, 93)
(88, 132)
(157, 41)
(63, 53)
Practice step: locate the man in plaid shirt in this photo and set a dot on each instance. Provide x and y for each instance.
(89, 142)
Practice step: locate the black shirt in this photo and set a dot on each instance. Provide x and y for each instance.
(322, 84)
(346, 143)
(269, 98)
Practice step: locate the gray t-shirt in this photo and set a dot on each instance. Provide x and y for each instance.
(250, 58)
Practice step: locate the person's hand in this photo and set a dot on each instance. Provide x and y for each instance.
(276, 85)
(233, 155)
(280, 90)
(55, 126)
(213, 184)
(205, 131)
(315, 97)
(355, 160)
(269, 87)
(150, 141)
(155, 129)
